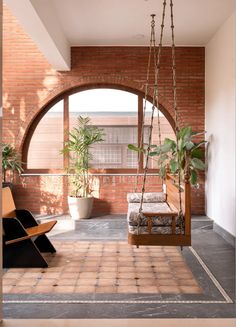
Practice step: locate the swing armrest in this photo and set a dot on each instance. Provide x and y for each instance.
(172, 207)
(161, 214)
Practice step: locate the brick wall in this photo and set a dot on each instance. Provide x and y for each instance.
(30, 83)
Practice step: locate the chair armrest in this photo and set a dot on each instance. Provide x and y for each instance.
(13, 229)
(26, 218)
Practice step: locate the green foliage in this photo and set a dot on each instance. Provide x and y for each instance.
(10, 160)
(188, 156)
(81, 139)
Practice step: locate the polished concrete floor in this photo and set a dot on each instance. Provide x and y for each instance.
(217, 255)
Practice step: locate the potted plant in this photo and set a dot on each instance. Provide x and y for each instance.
(189, 157)
(78, 147)
(11, 163)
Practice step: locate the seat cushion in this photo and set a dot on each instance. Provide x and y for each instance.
(133, 213)
(147, 198)
(155, 230)
(138, 224)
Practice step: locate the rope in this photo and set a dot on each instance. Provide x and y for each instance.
(175, 106)
(144, 106)
(157, 75)
(155, 100)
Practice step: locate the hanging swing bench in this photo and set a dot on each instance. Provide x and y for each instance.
(160, 218)
(159, 222)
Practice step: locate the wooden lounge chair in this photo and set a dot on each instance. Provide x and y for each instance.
(23, 238)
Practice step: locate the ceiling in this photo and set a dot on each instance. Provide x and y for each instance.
(127, 22)
(56, 25)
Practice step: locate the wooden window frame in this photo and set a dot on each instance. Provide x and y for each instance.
(65, 98)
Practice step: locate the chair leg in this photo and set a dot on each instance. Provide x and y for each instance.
(44, 245)
(23, 254)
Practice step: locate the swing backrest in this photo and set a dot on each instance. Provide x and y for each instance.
(172, 191)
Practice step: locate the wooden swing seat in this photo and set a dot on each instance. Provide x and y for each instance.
(159, 224)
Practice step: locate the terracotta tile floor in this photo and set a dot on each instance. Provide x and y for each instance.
(109, 267)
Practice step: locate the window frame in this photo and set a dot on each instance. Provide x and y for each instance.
(65, 98)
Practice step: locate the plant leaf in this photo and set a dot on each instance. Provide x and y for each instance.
(185, 133)
(198, 133)
(166, 147)
(134, 148)
(153, 153)
(189, 145)
(198, 164)
(162, 172)
(197, 145)
(173, 166)
(162, 159)
(193, 177)
(197, 153)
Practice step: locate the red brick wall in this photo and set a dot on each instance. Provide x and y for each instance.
(48, 194)
(29, 83)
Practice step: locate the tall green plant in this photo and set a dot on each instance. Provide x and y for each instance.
(81, 139)
(10, 161)
(190, 154)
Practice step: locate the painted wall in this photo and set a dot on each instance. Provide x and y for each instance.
(1, 159)
(220, 126)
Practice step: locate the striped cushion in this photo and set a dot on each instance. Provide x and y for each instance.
(148, 197)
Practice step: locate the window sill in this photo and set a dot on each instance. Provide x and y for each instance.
(92, 174)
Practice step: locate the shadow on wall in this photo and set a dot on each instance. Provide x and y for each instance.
(25, 87)
(51, 204)
(53, 194)
(41, 194)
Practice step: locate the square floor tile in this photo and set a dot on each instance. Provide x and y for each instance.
(106, 289)
(43, 289)
(148, 289)
(85, 282)
(21, 289)
(127, 289)
(110, 267)
(127, 281)
(26, 282)
(190, 289)
(84, 289)
(106, 282)
(63, 289)
(169, 289)
(66, 282)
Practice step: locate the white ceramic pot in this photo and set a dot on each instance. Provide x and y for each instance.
(80, 207)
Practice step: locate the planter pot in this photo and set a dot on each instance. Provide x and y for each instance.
(80, 208)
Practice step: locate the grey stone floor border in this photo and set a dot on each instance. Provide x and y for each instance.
(217, 300)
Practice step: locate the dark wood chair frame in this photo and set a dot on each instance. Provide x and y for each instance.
(23, 238)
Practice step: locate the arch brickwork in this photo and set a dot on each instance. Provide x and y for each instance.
(59, 92)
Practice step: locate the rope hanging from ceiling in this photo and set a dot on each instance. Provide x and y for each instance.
(152, 86)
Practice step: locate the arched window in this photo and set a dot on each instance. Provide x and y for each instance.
(117, 112)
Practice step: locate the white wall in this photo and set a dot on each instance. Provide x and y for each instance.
(220, 126)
